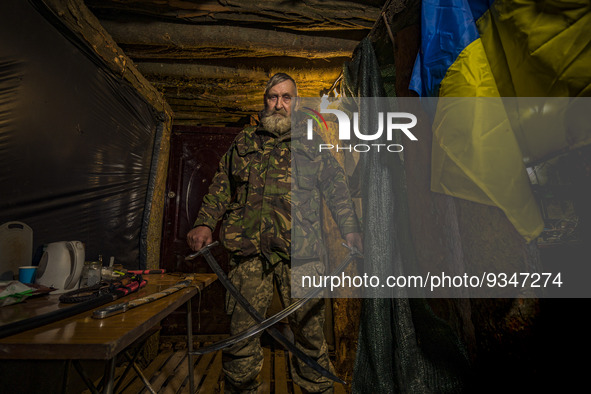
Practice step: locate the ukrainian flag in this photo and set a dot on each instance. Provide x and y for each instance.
(502, 48)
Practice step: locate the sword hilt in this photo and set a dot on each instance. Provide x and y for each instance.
(202, 250)
(353, 250)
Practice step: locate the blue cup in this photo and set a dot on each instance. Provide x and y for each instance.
(26, 274)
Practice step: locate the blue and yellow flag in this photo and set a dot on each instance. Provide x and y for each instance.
(502, 48)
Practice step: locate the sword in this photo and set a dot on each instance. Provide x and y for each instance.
(266, 324)
(123, 307)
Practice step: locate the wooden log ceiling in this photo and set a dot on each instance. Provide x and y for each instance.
(211, 59)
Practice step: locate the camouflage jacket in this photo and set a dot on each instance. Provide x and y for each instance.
(252, 192)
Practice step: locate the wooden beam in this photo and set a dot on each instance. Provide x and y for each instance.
(197, 71)
(209, 40)
(280, 372)
(310, 15)
(187, 72)
(250, 106)
(216, 89)
(209, 120)
(267, 63)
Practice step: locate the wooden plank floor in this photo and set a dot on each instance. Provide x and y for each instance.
(168, 373)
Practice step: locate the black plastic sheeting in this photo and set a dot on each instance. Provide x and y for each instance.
(76, 141)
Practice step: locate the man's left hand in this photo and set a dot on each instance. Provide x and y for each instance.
(354, 240)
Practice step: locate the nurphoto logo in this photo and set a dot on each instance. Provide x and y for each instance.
(402, 121)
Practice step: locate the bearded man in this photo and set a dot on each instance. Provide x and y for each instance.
(252, 192)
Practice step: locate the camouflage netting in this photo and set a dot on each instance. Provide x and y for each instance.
(403, 346)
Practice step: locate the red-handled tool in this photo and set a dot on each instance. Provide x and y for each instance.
(146, 272)
(131, 287)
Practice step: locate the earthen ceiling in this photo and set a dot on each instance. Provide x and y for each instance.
(211, 59)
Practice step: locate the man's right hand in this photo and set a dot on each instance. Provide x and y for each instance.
(199, 237)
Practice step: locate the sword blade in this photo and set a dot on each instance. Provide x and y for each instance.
(266, 324)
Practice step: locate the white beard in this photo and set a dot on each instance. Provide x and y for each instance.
(276, 123)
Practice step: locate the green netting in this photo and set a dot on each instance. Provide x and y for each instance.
(403, 346)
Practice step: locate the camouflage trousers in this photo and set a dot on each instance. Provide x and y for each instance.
(242, 362)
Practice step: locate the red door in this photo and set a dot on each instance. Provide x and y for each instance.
(194, 156)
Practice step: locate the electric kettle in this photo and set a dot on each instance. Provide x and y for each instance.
(61, 265)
